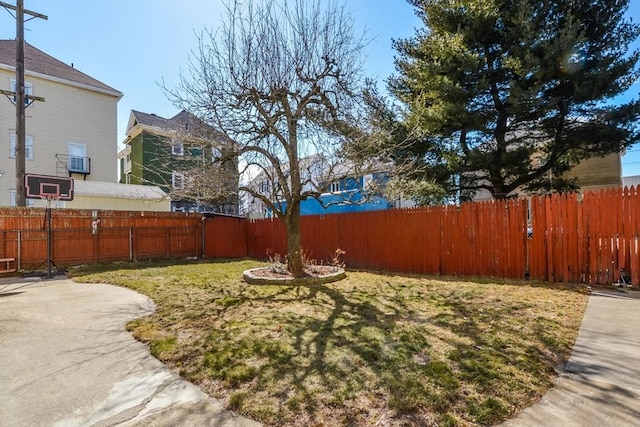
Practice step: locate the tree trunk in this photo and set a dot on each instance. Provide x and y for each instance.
(499, 191)
(294, 241)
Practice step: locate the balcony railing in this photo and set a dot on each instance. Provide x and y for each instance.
(68, 164)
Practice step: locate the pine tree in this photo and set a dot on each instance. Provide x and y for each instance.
(503, 93)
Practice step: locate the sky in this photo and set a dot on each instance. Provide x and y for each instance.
(135, 45)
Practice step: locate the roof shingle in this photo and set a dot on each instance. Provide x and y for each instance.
(182, 123)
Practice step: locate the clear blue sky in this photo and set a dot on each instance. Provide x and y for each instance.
(132, 45)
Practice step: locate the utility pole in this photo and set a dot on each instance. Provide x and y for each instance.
(21, 199)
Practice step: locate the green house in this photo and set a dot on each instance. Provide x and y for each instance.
(188, 159)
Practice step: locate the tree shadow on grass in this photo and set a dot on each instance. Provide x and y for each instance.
(347, 349)
(346, 354)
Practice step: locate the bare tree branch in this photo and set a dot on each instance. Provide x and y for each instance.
(283, 80)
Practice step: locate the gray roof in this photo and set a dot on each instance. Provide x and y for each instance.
(176, 123)
(183, 123)
(122, 191)
(39, 62)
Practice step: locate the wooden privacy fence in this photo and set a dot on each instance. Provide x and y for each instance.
(584, 238)
(487, 239)
(226, 237)
(77, 237)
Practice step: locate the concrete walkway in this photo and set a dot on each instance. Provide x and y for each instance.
(67, 360)
(600, 386)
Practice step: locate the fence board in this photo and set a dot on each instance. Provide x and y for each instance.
(575, 238)
(225, 237)
(578, 238)
(158, 234)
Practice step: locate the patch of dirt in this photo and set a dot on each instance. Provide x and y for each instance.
(312, 271)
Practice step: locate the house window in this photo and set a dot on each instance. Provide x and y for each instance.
(13, 199)
(335, 187)
(177, 180)
(28, 147)
(177, 148)
(196, 151)
(78, 160)
(28, 90)
(216, 154)
(264, 187)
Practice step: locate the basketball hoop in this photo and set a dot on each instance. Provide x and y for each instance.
(48, 188)
(49, 198)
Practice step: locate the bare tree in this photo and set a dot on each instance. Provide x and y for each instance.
(283, 79)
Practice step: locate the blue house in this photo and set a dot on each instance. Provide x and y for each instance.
(335, 188)
(346, 195)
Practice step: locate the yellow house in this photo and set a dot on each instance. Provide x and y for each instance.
(73, 133)
(594, 173)
(598, 172)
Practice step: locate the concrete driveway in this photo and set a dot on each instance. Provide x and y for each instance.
(67, 360)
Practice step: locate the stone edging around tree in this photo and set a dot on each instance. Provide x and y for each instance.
(250, 277)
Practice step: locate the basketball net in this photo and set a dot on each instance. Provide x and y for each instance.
(49, 198)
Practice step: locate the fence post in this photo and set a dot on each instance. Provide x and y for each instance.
(19, 249)
(95, 248)
(134, 249)
(203, 232)
(130, 244)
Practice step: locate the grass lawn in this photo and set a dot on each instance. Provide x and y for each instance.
(373, 349)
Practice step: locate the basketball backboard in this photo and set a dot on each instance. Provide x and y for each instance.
(47, 186)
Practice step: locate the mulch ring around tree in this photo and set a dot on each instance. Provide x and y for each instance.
(316, 275)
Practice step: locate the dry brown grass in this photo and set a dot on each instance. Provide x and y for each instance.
(373, 349)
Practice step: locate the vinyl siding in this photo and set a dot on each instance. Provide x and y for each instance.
(69, 114)
(598, 172)
(156, 158)
(137, 160)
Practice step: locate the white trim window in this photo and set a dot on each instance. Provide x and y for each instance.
(13, 195)
(78, 160)
(177, 148)
(335, 187)
(216, 153)
(367, 181)
(28, 90)
(28, 147)
(177, 180)
(264, 186)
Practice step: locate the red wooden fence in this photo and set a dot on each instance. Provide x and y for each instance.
(225, 237)
(119, 236)
(584, 238)
(450, 240)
